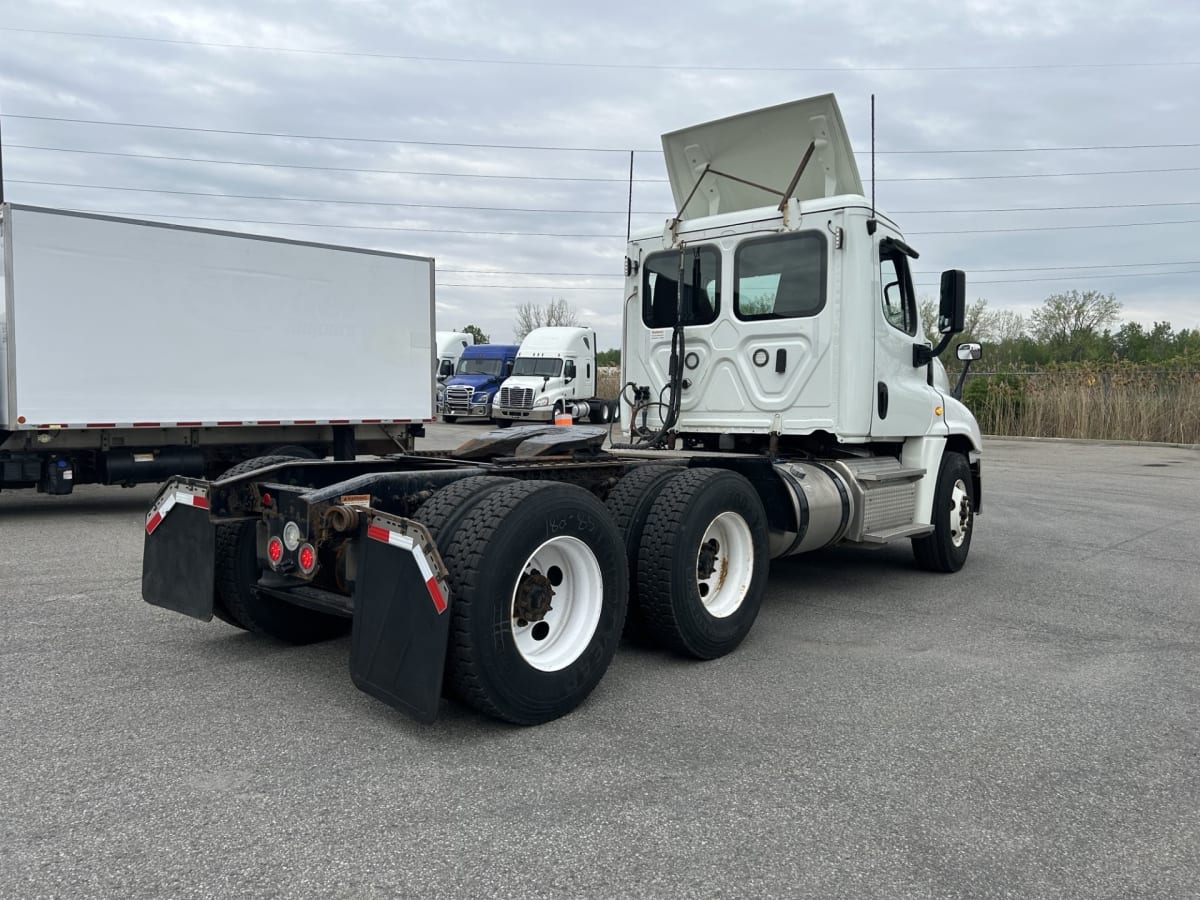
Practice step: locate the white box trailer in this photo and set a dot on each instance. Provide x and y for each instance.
(131, 351)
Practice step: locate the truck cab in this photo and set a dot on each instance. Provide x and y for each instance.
(554, 372)
(796, 330)
(450, 347)
(469, 392)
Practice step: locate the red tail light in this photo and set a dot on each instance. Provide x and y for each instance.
(274, 550)
(307, 557)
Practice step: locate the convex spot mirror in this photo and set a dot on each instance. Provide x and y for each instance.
(952, 311)
(969, 351)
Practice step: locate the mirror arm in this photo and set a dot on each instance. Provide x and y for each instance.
(962, 376)
(923, 354)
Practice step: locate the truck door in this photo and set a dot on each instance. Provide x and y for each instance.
(903, 402)
(570, 378)
(760, 358)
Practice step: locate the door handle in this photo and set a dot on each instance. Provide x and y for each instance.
(883, 399)
(781, 360)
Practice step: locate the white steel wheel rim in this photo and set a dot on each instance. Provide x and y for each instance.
(960, 513)
(560, 637)
(727, 582)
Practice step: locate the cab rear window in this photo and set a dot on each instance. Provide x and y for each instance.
(701, 287)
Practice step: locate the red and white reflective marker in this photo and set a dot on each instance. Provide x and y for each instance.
(167, 502)
(396, 539)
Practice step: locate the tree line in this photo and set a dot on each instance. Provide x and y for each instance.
(1069, 327)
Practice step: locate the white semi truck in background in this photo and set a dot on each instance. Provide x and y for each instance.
(131, 351)
(554, 373)
(450, 347)
(778, 398)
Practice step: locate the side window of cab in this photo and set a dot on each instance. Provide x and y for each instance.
(896, 289)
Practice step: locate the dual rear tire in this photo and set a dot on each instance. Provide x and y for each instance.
(237, 599)
(702, 562)
(539, 576)
(539, 586)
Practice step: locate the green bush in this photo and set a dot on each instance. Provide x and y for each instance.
(998, 401)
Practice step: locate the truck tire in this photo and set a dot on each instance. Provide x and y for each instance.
(702, 562)
(274, 455)
(953, 518)
(442, 512)
(237, 573)
(291, 451)
(504, 423)
(630, 502)
(449, 420)
(599, 412)
(539, 590)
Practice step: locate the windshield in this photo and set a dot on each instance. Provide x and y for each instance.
(479, 366)
(542, 366)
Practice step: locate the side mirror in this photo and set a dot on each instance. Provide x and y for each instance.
(969, 351)
(952, 311)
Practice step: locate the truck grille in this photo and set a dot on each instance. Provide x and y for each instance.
(516, 398)
(459, 395)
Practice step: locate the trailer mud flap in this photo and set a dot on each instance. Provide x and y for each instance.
(178, 554)
(401, 617)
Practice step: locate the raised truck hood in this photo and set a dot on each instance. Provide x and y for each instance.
(765, 147)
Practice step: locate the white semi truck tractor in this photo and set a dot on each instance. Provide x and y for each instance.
(554, 373)
(450, 347)
(778, 398)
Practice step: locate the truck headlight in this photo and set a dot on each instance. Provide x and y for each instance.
(542, 401)
(479, 398)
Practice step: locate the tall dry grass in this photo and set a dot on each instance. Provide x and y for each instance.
(608, 382)
(1119, 402)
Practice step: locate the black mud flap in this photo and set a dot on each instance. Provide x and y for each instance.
(401, 617)
(179, 550)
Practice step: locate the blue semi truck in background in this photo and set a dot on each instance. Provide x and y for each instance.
(469, 392)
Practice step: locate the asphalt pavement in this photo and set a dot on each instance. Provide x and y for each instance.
(1025, 728)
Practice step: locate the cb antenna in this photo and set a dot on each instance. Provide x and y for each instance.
(871, 224)
(1, 161)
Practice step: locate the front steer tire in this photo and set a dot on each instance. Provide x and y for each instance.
(500, 557)
(953, 518)
(702, 563)
(237, 572)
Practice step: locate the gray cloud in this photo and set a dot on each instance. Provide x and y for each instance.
(622, 104)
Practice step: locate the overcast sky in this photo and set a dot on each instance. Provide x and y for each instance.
(569, 89)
